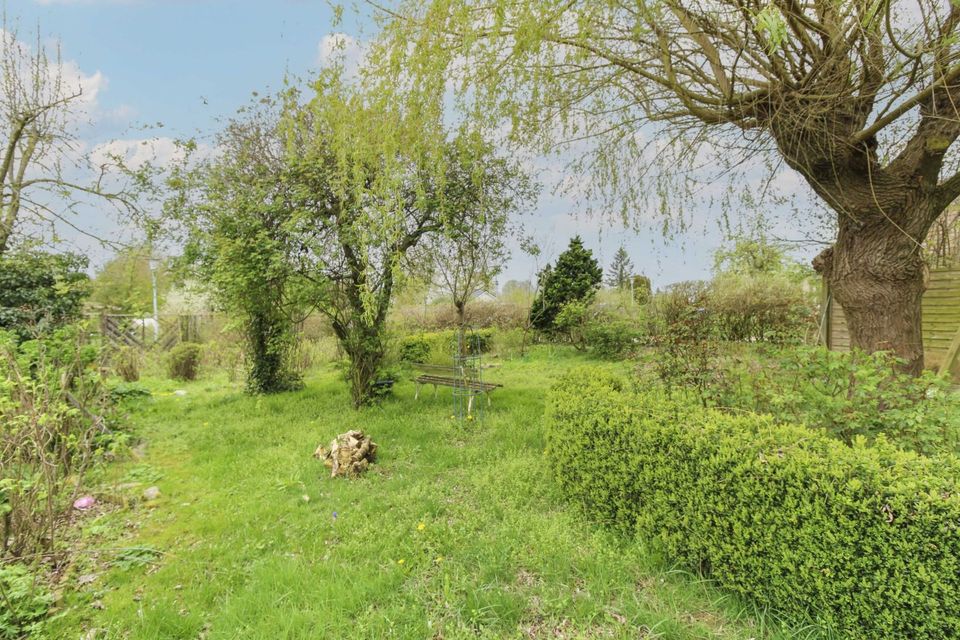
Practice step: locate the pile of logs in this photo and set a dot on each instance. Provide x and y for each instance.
(349, 454)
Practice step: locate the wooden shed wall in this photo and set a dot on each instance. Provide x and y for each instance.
(941, 317)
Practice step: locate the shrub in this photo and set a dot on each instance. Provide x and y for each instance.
(414, 349)
(862, 539)
(440, 346)
(25, 602)
(761, 308)
(612, 340)
(41, 291)
(127, 362)
(54, 411)
(183, 361)
(845, 394)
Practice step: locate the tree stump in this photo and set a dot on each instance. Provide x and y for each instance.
(349, 454)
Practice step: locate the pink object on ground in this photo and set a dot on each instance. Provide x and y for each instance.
(84, 503)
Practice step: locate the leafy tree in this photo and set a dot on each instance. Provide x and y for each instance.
(366, 196)
(618, 275)
(41, 291)
(232, 212)
(125, 285)
(642, 289)
(575, 278)
(859, 98)
(465, 258)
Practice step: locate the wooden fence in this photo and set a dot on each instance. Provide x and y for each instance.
(141, 332)
(941, 320)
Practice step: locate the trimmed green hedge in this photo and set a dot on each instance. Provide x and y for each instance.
(862, 540)
(441, 345)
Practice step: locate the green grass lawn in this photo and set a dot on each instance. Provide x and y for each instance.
(457, 532)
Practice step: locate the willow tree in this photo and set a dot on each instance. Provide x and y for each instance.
(858, 97)
(371, 179)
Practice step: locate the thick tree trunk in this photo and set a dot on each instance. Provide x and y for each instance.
(876, 274)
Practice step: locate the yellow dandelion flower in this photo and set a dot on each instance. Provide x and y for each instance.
(439, 559)
(400, 561)
(421, 527)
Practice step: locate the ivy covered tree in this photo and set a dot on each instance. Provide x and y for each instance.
(574, 279)
(232, 211)
(618, 275)
(316, 204)
(858, 98)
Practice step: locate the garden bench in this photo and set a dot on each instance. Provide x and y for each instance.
(455, 377)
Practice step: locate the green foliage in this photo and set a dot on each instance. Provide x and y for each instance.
(612, 339)
(761, 308)
(183, 361)
(24, 599)
(234, 213)
(642, 289)
(441, 346)
(737, 307)
(41, 291)
(572, 322)
(861, 539)
(125, 283)
(414, 348)
(847, 395)
(55, 415)
(575, 278)
(620, 271)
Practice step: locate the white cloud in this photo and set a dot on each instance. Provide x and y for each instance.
(138, 152)
(341, 49)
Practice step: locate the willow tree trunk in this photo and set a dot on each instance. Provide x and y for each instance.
(876, 274)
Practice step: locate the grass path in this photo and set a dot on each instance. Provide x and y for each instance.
(457, 533)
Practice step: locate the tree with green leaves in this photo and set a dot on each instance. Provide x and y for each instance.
(574, 279)
(464, 259)
(231, 212)
(858, 98)
(41, 291)
(369, 189)
(124, 284)
(642, 289)
(620, 270)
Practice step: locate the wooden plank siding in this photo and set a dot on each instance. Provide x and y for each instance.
(941, 317)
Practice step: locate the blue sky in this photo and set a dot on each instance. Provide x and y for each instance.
(184, 63)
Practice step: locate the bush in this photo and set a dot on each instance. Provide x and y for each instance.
(773, 308)
(440, 346)
(863, 539)
(845, 394)
(40, 292)
(54, 411)
(127, 362)
(761, 308)
(414, 349)
(612, 340)
(183, 361)
(25, 602)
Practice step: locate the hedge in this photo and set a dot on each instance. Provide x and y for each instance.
(441, 345)
(862, 540)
